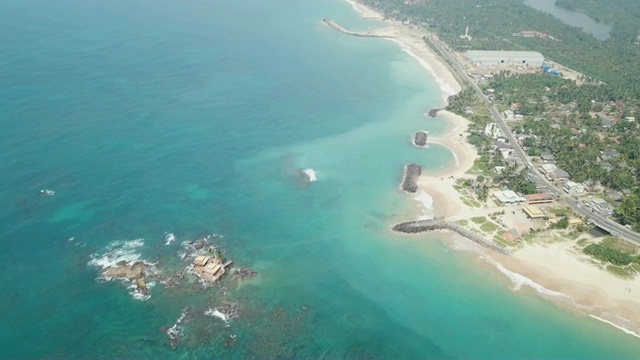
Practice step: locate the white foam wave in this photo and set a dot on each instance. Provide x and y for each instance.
(116, 252)
(218, 314)
(427, 205)
(176, 330)
(445, 88)
(520, 280)
(460, 243)
(310, 174)
(133, 290)
(169, 238)
(47, 192)
(625, 330)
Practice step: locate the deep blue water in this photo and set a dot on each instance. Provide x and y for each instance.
(193, 118)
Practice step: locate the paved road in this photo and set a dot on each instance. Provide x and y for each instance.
(607, 224)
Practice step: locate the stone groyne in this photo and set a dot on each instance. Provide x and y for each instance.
(380, 33)
(420, 138)
(433, 112)
(410, 181)
(414, 227)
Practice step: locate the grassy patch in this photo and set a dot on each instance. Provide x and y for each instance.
(582, 242)
(573, 235)
(529, 237)
(619, 271)
(636, 267)
(560, 211)
(619, 244)
(488, 227)
(479, 219)
(463, 222)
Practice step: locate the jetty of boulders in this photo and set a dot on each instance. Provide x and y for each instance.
(411, 174)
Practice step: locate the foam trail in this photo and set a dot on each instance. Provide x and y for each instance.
(427, 203)
(520, 280)
(625, 330)
(446, 89)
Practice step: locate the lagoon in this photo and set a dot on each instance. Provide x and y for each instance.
(598, 30)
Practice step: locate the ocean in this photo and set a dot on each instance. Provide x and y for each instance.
(187, 119)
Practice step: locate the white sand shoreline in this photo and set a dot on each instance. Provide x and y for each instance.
(553, 270)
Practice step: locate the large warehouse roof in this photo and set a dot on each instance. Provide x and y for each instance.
(503, 54)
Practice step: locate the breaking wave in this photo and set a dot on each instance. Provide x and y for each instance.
(310, 174)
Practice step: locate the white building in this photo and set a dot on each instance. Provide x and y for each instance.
(508, 197)
(505, 58)
(573, 188)
(509, 115)
(493, 130)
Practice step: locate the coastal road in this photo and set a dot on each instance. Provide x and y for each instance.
(602, 222)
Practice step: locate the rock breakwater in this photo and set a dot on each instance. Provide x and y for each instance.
(420, 138)
(414, 227)
(410, 181)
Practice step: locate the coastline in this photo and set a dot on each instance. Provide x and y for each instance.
(556, 271)
(560, 273)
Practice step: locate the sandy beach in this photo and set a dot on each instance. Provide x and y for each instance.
(560, 273)
(439, 184)
(556, 271)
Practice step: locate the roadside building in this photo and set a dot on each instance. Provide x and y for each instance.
(547, 157)
(509, 115)
(493, 130)
(533, 212)
(505, 58)
(508, 197)
(547, 168)
(511, 235)
(602, 206)
(539, 198)
(558, 176)
(614, 195)
(503, 147)
(573, 188)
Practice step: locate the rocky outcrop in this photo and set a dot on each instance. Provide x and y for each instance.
(433, 112)
(420, 138)
(411, 174)
(244, 273)
(133, 272)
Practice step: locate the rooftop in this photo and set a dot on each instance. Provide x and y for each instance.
(500, 53)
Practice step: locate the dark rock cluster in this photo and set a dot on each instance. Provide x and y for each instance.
(245, 272)
(420, 138)
(411, 174)
(133, 272)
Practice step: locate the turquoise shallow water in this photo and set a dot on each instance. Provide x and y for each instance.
(193, 118)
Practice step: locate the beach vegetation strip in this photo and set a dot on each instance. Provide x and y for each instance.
(606, 252)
